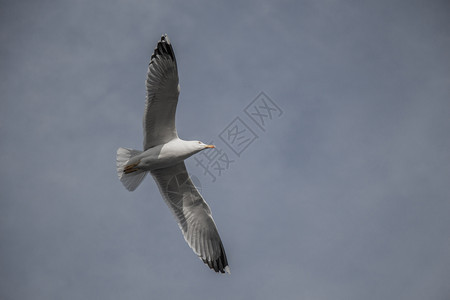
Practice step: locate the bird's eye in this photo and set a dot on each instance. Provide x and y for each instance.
(199, 142)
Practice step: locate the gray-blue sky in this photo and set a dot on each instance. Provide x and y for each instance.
(346, 196)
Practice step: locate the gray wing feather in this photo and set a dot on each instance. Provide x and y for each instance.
(193, 215)
(162, 96)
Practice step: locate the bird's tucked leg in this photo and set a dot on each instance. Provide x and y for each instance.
(130, 168)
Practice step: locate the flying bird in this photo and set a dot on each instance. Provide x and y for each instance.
(163, 156)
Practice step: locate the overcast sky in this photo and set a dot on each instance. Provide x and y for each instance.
(343, 194)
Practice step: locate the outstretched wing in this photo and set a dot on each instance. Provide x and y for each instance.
(162, 96)
(193, 215)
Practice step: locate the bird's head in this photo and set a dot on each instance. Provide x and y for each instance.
(188, 148)
(199, 146)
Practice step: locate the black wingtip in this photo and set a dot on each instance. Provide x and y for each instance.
(220, 264)
(164, 47)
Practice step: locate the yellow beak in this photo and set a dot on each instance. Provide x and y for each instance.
(210, 146)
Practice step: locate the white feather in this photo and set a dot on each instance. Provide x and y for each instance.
(132, 180)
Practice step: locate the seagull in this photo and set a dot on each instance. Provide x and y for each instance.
(163, 156)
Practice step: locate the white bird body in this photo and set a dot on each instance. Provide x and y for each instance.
(163, 156)
(166, 155)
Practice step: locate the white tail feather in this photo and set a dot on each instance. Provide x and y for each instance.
(132, 180)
